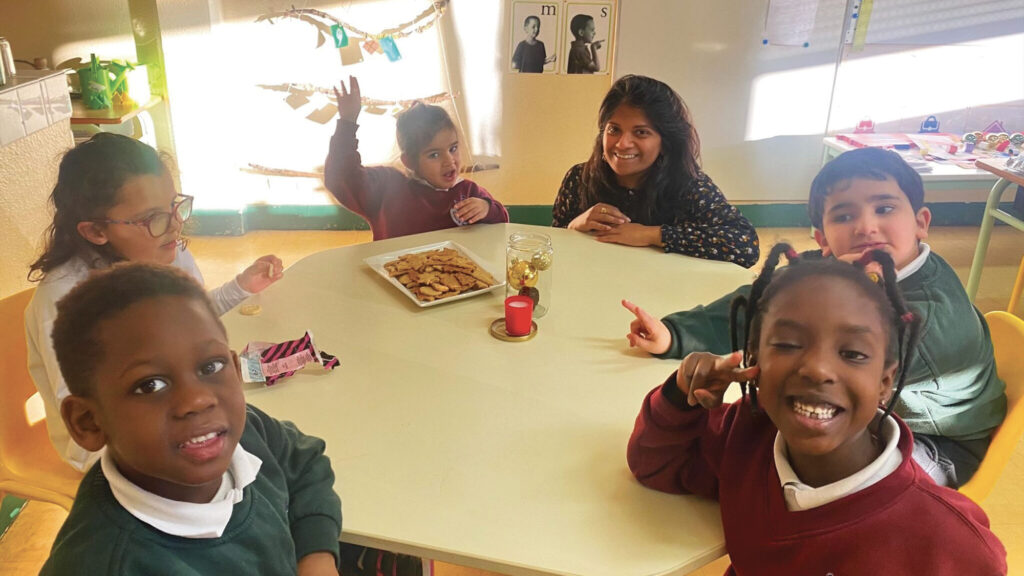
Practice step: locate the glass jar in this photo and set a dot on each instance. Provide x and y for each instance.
(528, 260)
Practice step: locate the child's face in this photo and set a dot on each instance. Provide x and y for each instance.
(587, 32)
(630, 144)
(140, 197)
(823, 372)
(863, 214)
(168, 398)
(439, 162)
(532, 28)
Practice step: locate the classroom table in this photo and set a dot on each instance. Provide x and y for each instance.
(506, 456)
(992, 213)
(944, 176)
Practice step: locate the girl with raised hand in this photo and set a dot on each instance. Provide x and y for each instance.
(431, 195)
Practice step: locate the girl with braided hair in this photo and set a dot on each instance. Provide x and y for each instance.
(813, 470)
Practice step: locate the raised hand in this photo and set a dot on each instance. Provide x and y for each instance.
(704, 377)
(647, 332)
(349, 101)
(598, 217)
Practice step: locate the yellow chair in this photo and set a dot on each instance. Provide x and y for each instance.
(1018, 287)
(1008, 342)
(29, 465)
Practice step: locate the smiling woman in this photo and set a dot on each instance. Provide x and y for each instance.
(643, 185)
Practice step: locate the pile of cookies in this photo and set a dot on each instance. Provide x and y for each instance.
(438, 274)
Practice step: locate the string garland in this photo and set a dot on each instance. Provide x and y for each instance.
(316, 18)
(310, 89)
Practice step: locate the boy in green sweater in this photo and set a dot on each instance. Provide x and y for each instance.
(870, 199)
(191, 480)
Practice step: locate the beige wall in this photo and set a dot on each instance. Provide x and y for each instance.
(548, 124)
(28, 170)
(62, 29)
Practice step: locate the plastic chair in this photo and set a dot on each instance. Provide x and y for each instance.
(1008, 342)
(29, 465)
(1018, 287)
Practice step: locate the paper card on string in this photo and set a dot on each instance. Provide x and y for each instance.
(296, 100)
(340, 36)
(351, 54)
(323, 115)
(390, 49)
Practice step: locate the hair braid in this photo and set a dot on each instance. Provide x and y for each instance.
(908, 324)
(749, 305)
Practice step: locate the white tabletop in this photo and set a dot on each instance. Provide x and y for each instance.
(453, 445)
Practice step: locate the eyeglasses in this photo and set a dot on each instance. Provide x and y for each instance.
(159, 223)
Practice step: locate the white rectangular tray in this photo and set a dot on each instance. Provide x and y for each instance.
(377, 264)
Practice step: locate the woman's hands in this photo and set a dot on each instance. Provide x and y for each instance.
(703, 377)
(632, 235)
(262, 273)
(349, 101)
(609, 224)
(599, 218)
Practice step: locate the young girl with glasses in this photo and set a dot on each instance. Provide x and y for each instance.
(114, 201)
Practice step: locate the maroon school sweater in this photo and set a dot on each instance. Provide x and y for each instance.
(902, 525)
(393, 203)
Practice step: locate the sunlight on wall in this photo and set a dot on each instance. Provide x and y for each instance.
(224, 120)
(908, 85)
(789, 102)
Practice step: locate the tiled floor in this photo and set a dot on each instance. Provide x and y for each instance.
(23, 549)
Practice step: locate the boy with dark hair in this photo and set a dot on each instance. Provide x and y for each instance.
(530, 56)
(583, 60)
(191, 480)
(871, 199)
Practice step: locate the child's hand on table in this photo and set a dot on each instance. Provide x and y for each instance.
(631, 234)
(349, 101)
(647, 332)
(262, 273)
(472, 210)
(318, 564)
(599, 217)
(704, 377)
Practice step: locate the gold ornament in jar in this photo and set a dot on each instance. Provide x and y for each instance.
(522, 274)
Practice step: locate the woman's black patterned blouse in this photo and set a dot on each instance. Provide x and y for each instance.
(700, 223)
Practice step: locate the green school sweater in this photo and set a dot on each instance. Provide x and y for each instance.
(951, 389)
(288, 512)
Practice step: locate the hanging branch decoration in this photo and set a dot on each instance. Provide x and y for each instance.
(323, 23)
(299, 95)
(344, 35)
(254, 168)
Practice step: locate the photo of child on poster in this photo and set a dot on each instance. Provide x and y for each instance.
(588, 37)
(534, 37)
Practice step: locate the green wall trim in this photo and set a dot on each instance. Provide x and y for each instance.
(291, 217)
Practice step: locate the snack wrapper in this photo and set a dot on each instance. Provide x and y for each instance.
(266, 362)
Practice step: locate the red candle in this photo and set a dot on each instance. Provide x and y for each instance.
(518, 315)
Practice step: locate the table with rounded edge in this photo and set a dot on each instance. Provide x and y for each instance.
(450, 444)
(991, 214)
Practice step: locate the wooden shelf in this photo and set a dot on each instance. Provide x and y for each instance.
(82, 115)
